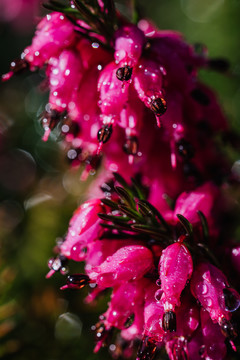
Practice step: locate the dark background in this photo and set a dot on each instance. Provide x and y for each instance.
(38, 192)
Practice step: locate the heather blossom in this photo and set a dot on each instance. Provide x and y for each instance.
(152, 236)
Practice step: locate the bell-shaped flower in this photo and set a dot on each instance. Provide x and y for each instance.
(124, 265)
(84, 228)
(129, 42)
(175, 269)
(210, 287)
(54, 33)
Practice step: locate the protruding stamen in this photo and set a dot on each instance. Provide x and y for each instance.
(158, 106)
(92, 164)
(102, 335)
(104, 133)
(16, 67)
(124, 73)
(227, 329)
(169, 321)
(131, 145)
(76, 281)
(147, 349)
(48, 121)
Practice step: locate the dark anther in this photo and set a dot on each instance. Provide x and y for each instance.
(169, 321)
(228, 329)
(158, 106)
(77, 281)
(200, 97)
(102, 334)
(147, 349)
(129, 321)
(131, 145)
(50, 119)
(124, 73)
(185, 149)
(104, 133)
(219, 64)
(18, 65)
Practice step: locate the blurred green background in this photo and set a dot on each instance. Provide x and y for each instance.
(38, 192)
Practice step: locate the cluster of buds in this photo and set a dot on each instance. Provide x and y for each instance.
(109, 80)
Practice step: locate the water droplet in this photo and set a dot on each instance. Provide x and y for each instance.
(95, 45)
(158, 294)
(50, 262)
(64, 270)
(72, 232)
(204, 289)
(208, 301)
(231, 299)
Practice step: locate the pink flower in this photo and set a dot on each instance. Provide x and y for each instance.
(124, 265)
(210, 286)
(129, 42)
(84, 229)
(54, 33)
(175, 268)
(112, 95)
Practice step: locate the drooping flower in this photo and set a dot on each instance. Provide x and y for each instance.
(109, 83)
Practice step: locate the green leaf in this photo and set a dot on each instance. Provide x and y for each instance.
(126, 196)
(186, 224)
(92, 19)
(121, 181)
(146, 229)
(57, 6)
(152, 211)
(119, 227)
(113, 218)
(207, 252)
(131, 213)
(204, 225)
(138, 190)
(110, 203)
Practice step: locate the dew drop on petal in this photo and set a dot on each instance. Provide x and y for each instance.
(231, 299)
(203, 289)
(158, 294)
(209, 301)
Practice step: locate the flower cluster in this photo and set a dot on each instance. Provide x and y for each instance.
(114, 86)
(117, 86)
(167, 288)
